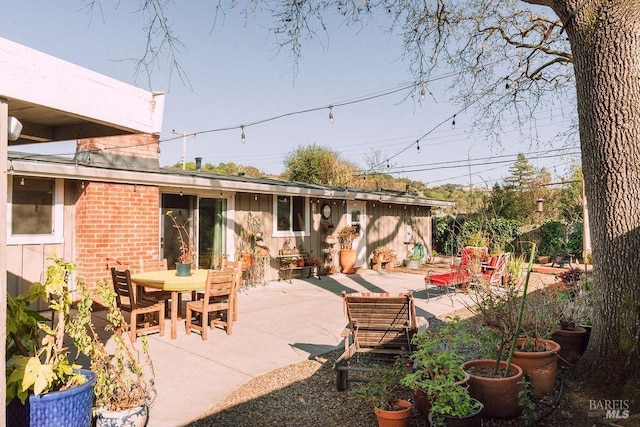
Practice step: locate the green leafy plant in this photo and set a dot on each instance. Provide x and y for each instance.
(385, 387)
(124, 376)
(37, 359)
(525, 401)
(450, 400)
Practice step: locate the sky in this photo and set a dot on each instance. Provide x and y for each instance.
(234, 76)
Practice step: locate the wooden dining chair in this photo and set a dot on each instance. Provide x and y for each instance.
(158, 295)
(126, 300)
(217, 299)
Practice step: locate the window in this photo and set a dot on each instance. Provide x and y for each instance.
(291, 216)
(34, 210)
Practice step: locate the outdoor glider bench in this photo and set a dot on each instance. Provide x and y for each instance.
(381, 323)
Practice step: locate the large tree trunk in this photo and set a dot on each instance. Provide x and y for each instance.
(605, 40)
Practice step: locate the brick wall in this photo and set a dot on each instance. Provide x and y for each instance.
(115, 225)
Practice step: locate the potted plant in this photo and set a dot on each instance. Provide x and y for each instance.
(571, 310)
(185, 260)
(387, 394)
(437, 367)
(496, 383)
(413, 261)
(43, 384)
(124, 385)
(347, 235)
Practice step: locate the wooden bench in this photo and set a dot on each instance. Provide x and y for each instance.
(380, 323)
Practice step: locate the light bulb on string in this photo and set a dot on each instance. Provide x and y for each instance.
(10, 170)
(22, 181)
(243, 137)
(388, 163)
(423, 92)
(331, 114)
(453, 122)
(418, 145)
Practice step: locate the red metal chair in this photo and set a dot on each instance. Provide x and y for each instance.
(459, 274)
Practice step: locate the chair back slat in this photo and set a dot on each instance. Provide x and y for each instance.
(123, 287)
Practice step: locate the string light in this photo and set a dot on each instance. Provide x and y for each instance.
(453, 122)
(388, 165)
(181, 192)
(418, 145)
(22, 181)
(423, 92)
(10, 170)
(243, 137)
(331, 114)
(82, 186)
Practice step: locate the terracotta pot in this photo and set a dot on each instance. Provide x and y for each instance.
(572, 344)
(395, 418)
(498, 395)
(348, 260)
(541, 366)
(423, 405)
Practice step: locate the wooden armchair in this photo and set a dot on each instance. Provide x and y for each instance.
(126, 300)
(219, 299)
(379, 323)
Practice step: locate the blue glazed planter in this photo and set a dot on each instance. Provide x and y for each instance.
(133, 417)
(70, 407)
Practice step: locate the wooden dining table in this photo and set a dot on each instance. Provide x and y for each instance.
(167, 280)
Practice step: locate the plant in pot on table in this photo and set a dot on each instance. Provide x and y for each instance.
(387, 394)
(438, 382)
(186, 258)
(124, 387)
(44, 385)
(347, 235)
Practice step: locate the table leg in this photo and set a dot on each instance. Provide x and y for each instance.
(174, 314)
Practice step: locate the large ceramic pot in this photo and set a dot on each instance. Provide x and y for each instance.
(71, 407)
(540, 364)
(498, 395)
(471, 420)
(132, 417)
(348, 260)
(399, 418)
(572, 344)
(423, 405)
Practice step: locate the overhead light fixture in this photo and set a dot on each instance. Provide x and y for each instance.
(14, 128)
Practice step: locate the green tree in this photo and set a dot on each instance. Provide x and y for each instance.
(318, 165)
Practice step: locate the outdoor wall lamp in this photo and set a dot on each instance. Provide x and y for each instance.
(14, 127)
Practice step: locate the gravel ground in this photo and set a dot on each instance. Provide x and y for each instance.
(305, 394)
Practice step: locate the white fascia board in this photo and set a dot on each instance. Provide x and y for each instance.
(37, 78)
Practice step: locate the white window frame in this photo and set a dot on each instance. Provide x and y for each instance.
(58, 218)
(290, 233)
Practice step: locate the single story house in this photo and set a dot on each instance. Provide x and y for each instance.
(107, 207)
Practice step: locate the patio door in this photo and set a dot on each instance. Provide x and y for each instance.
(356, 217)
